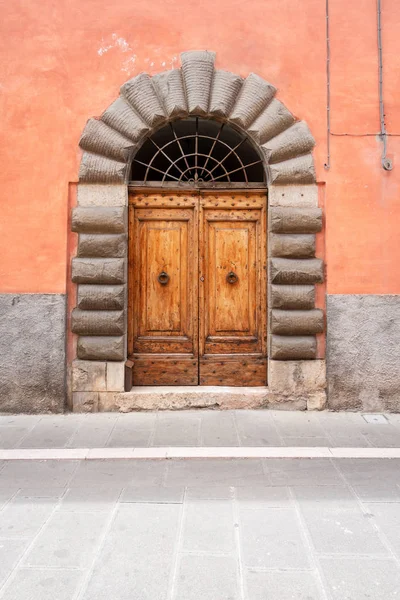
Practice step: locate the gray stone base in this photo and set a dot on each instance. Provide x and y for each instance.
(363, 352)
(32, 353)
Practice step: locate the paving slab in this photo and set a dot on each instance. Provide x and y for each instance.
(69, 539)
(28, 473)
(218, 428)
(137, 557)
(361, 579)
(336, 523)
(387, 518)
(43, 584)
(208, 526)
(257, 428)
(203, 472)
(301, 471)
(271, 539)
(177, 429)
(52, 431)
(132, 430)
(153, 494)
(118, 472)
(94, 431)
(11, 551)
(263, 497)
(23, 518)
(283, 585)
(207, 578)
(91, 499)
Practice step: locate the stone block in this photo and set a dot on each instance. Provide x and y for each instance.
(297, 322)
(141, 95)
(96, 195)
(225, 89)
(198, 70)
(121, 117)
(294, 170)
(85, 402)
(295, 219)
(291, 347)
(293, 297)
(170, 90)
(317, 401)
(296, 377)
(99, 138)
(272, 121)
(101, 297)
(102, 245)
(294, 141)
(292, 245)
(293, 195)
(99, 219)
(296, 271)
(255, 95)
(100, 169)
(88, 376)
(115, 376)
(98, 322)
(103, 348)
(98, 270)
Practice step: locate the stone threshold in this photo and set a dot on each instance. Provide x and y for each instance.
(186, 397)
(194, 452)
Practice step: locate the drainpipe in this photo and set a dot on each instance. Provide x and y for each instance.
(385, 161)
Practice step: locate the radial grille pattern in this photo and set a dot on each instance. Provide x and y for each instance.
(196, 150)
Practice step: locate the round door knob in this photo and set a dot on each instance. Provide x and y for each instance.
(232, 277)
(163, 278)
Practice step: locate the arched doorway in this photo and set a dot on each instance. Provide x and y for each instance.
(132, 133)
(197, 310)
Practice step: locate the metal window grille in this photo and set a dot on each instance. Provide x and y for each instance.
(198, 151)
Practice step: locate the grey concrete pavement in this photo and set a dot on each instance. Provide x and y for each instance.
(250, 529)
(260, 428)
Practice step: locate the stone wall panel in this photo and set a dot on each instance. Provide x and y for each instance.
(292, 245)
(297, 322)
(101, 245)
(99, 219)
(99, 348)
(292, 347)
(296, 271)
(292, 297)
(98, 322)
(295, 220)
(98, 270)
(101, 297)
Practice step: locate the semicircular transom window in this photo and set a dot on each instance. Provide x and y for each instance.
(198, 151)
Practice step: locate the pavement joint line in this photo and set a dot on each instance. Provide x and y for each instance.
(195, 452)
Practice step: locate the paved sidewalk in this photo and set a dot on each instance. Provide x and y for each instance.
(277, 529)
(200, 428)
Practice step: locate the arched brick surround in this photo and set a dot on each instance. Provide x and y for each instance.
(109, 145)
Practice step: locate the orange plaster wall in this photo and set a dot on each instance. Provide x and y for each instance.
(63, 61)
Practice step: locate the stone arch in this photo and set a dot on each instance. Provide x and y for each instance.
(110, 143)
(146, 103)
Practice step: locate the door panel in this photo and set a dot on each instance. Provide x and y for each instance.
(163, 294)
(233, 290)
(197, 288)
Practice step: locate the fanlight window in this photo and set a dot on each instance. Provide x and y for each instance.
(198, 151)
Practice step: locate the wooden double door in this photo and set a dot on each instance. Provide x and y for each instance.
(197, 288)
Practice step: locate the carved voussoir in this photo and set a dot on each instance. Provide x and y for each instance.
(99, 138)
(101, 348)
(292, 142)
(294, 170)
(296, 271)
(198, 70)
(293, 347)
(101, 297)
(102, 219)
(98, 270)
(170, 90)
(100, 322)
(254, 96)
(141, 95)
(292, 245)
(100, 169)
(272, 121)
(297, 322)
(102, 245)
(295, 219)
(292, 297)
(121, 117)
(224, 91)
